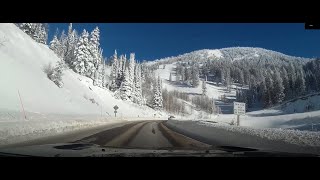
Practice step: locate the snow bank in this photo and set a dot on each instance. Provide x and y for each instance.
(303, 138)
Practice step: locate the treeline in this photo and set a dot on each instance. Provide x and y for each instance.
(188, 73)
(172, 102)
(268, 84)
(81, 53)
(37, 31)
(204, 103)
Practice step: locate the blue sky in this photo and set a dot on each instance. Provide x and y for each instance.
(157, 40)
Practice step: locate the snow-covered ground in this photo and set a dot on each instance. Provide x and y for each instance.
(48, 107)
(290, 115)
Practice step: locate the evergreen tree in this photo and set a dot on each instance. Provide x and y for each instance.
(71, 45)
(63, 45)
(285, 81)
(157, 97)
(37, 31)
(126, 89)
(195, 76)
(94, 47)
(131, 71)
(278, 88)
(55, 44)
(114, 72)
(269, 91)
(300, 86)
(204, 88)
(83, 63)
(137, 84)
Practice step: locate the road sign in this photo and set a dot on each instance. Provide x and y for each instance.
(239, 108)
(115, 107)
(115, 111)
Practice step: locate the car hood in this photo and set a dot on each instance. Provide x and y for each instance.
(92, 150)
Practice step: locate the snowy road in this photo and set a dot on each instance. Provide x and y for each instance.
(139, 134)
(168, 135)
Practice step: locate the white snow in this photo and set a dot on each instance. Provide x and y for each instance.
(277, 117)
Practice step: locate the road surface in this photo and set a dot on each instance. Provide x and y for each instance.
(165, 135)
(139, 134)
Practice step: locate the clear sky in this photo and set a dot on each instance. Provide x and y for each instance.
(157, 40)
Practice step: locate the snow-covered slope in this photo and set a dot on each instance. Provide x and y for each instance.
(277, 117)
(49, 109)
(255, 54)
(21, 66)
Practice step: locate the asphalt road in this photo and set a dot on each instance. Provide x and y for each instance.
(138, 134)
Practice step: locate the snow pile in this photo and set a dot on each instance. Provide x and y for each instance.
(13, 132)
(303, 138)
(298, 105)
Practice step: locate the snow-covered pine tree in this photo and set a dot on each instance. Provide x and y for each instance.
(126, 89)
(183, 74)
(269, 91)
(285, 81)
(40, 33)
(70, 45)
(138, 84)
(55, 44)
(188, 76)
(262, 92)
(101, 69)
(292, 78)
(131, 71)
(94, 47)
(28, 28)
(63, 45)
(157, 97)
(195, 75)
(37, 31)
(300, 86)
(104, 81)
(227, 80)
(82, 55)
(121, 70)
(278, 88)
(114, 72)
(204, 88)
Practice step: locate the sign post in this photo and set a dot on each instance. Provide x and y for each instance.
(115, 110)
(239, 109)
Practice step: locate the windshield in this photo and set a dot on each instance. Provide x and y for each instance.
(158, 86)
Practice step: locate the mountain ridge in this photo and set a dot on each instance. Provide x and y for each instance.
(235, 53)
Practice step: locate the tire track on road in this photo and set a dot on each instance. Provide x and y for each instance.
(104, 137)
(123, 139)
(179, 140)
